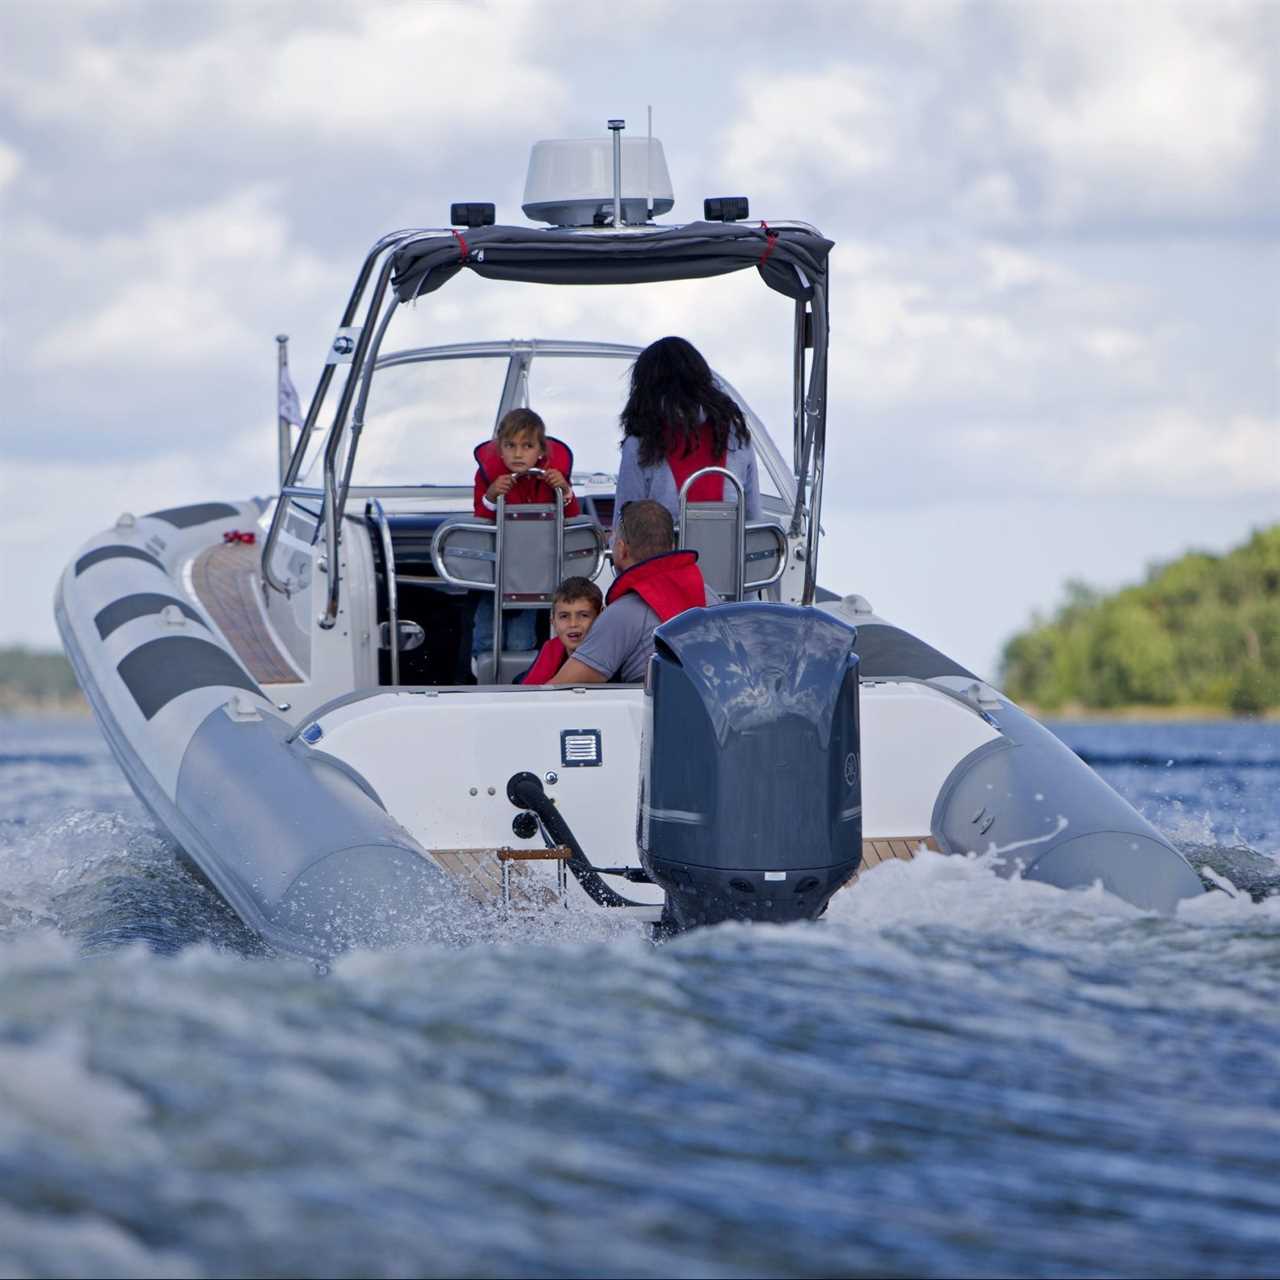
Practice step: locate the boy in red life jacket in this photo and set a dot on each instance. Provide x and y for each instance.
(520, 445)
(576, 606)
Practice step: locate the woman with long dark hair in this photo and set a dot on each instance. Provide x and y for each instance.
(677, 421)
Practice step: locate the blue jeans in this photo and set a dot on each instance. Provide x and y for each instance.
(519, 629)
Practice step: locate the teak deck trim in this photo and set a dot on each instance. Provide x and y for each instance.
(479, 873)
(903, 848)
(225, 579)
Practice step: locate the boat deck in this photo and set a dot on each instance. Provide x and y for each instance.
(225, 580)
(479, 873)
(904, 848)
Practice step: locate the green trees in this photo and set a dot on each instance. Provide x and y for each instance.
(1203, 630)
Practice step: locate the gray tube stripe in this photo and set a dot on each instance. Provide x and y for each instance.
(199, 513)
(90, 558)
(160, 670)
(127, 608)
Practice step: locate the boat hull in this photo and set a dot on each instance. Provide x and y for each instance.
(378, 815)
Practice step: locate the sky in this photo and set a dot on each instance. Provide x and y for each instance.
(1055, 289)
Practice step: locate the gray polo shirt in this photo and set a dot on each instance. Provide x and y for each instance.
(620, 642)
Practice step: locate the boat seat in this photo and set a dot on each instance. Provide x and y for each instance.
(464, 552)
(711, 529)
(512, 663)
(519, 558)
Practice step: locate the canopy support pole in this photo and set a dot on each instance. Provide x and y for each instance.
(290, 477)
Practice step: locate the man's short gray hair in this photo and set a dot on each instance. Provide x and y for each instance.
(647, 528)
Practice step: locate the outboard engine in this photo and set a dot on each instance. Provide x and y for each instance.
(751, 800)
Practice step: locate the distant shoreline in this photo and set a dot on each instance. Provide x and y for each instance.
(57, 706)
(1139, 712)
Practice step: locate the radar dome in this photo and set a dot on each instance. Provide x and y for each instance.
(570, 181)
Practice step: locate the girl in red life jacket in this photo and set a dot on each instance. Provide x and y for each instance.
(576, 606)
(520, 445)
(678, 420)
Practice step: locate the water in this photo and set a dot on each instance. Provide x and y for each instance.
(954, 1075)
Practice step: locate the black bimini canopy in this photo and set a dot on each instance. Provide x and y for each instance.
(790, 259)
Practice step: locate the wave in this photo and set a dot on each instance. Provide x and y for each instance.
(105, 880)
(72, 759)
(1161, 760)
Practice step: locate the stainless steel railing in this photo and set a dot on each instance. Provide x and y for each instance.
(499, 570)
(389, 569)
(740, 526)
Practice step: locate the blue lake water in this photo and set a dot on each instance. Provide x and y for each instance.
(953, 1074)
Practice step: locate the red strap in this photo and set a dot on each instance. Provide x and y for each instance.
(463, 248)
(772, 242)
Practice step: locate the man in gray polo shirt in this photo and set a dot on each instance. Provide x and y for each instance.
(655, 582)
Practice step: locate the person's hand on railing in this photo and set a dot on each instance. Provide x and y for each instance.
(557, 481)
(500, 487)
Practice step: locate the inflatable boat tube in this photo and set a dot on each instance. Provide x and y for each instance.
(295, 841)
(1032, 800)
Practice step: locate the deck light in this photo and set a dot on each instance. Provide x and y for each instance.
(471, 215)
(725, 209)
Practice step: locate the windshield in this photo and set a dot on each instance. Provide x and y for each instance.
(424, 419)
(427, 411)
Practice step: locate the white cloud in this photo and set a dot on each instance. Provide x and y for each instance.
(1145, 108)
(830, 127)
(187, 288)
(398, 74)
(1164, 451)
(1112, 343)
(982, 327)
(1009, 269)
(11, 162)
(415, 71)
(1176, 454)
(990, 200)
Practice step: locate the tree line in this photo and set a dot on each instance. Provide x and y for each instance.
(1202, 630)
(34, 678)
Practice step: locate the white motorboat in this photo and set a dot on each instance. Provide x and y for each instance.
(288, 683)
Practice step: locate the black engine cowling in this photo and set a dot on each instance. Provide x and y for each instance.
(751, 801)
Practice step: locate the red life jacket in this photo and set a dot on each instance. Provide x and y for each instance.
(668, 583)
(683, 465)
(527, 490)
(551, 657)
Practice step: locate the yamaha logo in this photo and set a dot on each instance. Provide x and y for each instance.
(851, 768)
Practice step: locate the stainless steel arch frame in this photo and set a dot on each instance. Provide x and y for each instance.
(809, 418)
(380, 247)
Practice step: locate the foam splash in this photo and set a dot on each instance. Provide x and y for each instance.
(107, 879)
